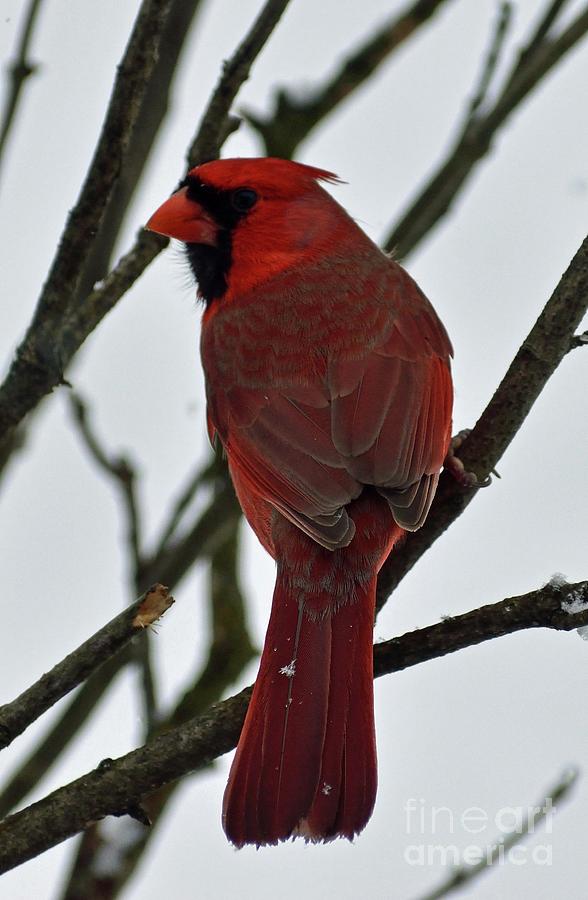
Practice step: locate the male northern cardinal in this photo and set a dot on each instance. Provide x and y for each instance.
(328, 385)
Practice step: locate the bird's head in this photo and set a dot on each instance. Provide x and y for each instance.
(245, 220)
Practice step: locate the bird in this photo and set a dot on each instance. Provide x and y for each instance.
(328, 386)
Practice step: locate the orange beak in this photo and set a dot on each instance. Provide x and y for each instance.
(184, 219)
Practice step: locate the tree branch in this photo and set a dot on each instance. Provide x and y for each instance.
(489, 65)
(546, 607)
(201, 476)
(542, 351)
(18, 72)
(123, 473)
(202, 539)
(296, 117)
(579, 340)
(153, 111)
(15, 717)
(38, 366)
(496, 853)
(119, 469)
(437, 197)
(215, 126)
(118, 786)
(33, 768)
(541, 34)
(58, 329)
(230, 650)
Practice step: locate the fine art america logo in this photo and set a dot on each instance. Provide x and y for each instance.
(496, 837)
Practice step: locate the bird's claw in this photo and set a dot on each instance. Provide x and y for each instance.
(456, 468)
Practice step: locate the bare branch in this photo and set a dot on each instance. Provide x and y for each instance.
(473, 144)
(16, 716)
(118, 786)
(542, 351)
(34, 767)
(201, 476)
(489, 65)
(215, 126)
(296, 117)
(579, 340)
(120, 470)
(230, 650)
(537, 359)
(38, 366)
(541, 33)
(548, 607)
(153, 110)
(497, 852)
(18, 72)
(52, 340)
(202, 539)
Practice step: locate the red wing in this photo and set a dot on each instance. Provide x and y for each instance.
(280, 449)
(391, 415)
(381, 419)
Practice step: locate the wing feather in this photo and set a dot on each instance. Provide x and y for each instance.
(377, 414)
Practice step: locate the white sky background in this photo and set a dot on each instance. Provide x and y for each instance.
(489, 727)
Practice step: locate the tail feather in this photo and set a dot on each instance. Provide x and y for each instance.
(306, 761)
(276, 768)
(346, 792)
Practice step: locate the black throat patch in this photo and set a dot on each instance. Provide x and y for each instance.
(210, 265)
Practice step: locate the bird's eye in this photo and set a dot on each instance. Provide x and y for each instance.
(243, 199)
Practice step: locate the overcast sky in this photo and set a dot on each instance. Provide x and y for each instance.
(491, 727)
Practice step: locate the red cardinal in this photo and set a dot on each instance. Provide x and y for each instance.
(328, 385)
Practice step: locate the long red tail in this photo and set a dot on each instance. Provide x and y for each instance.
(306, 760)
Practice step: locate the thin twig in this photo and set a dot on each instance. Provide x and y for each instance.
(537, 38)
(198, 479)
(121, 471)
(498, 852)
(142, 658)
(16, 716)
(124, 475)
(18, 72)
(489, 65)
(201, 540)
(215, 126)
(445, 185)
(295, 117)
(118, 786)
(542, 351)
(579, 340)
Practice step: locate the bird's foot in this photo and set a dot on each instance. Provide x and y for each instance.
(456, 468)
